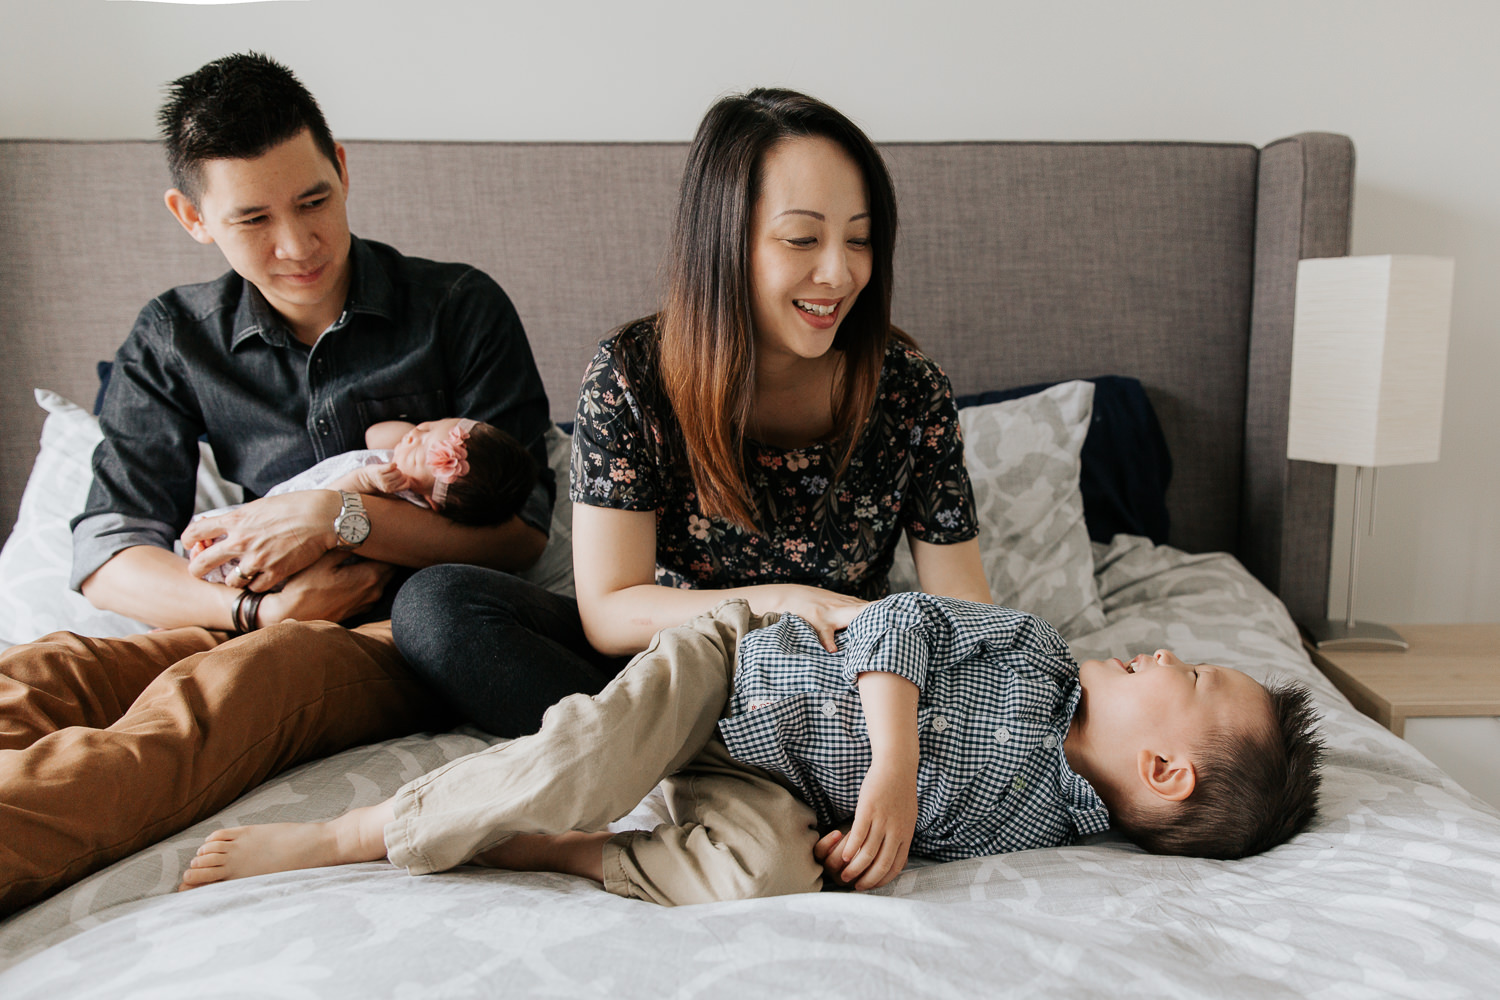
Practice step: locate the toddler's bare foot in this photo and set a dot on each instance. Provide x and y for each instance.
(358, 835)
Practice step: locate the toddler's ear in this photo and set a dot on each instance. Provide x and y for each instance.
(1170, 778)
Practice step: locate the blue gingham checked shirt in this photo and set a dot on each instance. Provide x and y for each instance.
(998, 692)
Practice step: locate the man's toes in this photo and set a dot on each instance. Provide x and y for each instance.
(208, 861)
(213, 847)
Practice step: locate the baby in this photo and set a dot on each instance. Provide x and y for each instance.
(464, 469)
(940, 727)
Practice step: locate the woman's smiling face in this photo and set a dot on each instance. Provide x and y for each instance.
(810, 254)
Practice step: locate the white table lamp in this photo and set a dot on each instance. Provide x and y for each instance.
(1369, 358)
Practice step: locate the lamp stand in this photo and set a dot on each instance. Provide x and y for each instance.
(1350, 634)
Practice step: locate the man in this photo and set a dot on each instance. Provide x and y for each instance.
(311, 337)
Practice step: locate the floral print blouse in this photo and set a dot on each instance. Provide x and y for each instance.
(906, 473)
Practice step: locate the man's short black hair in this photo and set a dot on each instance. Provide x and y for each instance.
(1254, 789)
(235, 108)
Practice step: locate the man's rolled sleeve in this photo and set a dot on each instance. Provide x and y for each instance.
(96, 539)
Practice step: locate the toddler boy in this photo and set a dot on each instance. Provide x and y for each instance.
(941, 727)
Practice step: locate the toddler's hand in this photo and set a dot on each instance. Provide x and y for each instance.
(885, 819)
(825, 855)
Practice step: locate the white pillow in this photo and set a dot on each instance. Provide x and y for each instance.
(1024, 459)
(37, 558)
(554, 570)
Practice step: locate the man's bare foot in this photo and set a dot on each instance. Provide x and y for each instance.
(569, 853)
(358, 835)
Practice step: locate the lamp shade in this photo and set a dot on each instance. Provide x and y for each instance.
(1369, 359)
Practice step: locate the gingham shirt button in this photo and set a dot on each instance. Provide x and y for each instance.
(1002, 735)
(1049, 741)
(829, 709)
(939, 723)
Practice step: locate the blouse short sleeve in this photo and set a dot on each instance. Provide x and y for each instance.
(615, 461)
(939, 503)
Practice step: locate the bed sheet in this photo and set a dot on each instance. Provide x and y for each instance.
(1394, 891)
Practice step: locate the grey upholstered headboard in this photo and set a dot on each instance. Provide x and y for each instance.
(1016, 263)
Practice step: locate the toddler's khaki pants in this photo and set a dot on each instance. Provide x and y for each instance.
(735, 833)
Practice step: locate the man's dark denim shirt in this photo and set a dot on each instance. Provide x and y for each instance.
(417, 340)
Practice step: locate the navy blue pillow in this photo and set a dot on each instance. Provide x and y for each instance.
(104, 368)
(1126, 465)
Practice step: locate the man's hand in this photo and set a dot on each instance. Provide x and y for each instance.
(334, 587)
(272, 538)
(875, 849)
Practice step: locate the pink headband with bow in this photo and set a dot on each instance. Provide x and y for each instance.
(449, 460)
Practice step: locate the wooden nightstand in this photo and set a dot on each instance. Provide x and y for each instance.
(1450, 670)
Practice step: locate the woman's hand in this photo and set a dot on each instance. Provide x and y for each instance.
(336, 586)
(827, 612)
(273, 538)
(875, 849)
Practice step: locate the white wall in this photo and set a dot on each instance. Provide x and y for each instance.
(1416, 84)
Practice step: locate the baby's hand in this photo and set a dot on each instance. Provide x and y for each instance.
(874, 852)
(385, 478)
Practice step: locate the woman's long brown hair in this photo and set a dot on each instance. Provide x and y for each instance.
(707, 330)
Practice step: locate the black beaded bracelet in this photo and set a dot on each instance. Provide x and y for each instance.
(236, 617)
(252, 611)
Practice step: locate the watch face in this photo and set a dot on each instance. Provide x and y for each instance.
(353, 528)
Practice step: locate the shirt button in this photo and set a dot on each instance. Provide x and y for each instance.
(323, 427)
(1002, 735)
(939, 724)
(320, 366)
(1018, 784)
(829, 709)
(1049, 741)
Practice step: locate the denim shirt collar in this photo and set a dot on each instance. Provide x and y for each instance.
(370, 292)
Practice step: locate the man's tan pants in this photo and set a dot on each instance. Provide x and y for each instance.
(735, 832)
(108, 745)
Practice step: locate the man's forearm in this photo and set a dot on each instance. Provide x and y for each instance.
(406, 535)
(153, 585)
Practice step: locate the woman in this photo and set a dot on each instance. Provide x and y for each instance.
(768, 435)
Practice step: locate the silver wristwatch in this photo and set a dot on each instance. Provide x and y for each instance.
(352, 526)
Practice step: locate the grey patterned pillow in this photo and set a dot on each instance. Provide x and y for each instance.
(38, 555)
(1023, 457)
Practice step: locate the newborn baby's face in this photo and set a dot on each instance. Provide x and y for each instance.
(413, 454)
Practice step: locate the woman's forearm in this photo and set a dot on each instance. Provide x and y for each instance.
(621, 623)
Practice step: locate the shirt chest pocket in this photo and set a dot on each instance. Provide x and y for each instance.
(414, 408)
(817, 719)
